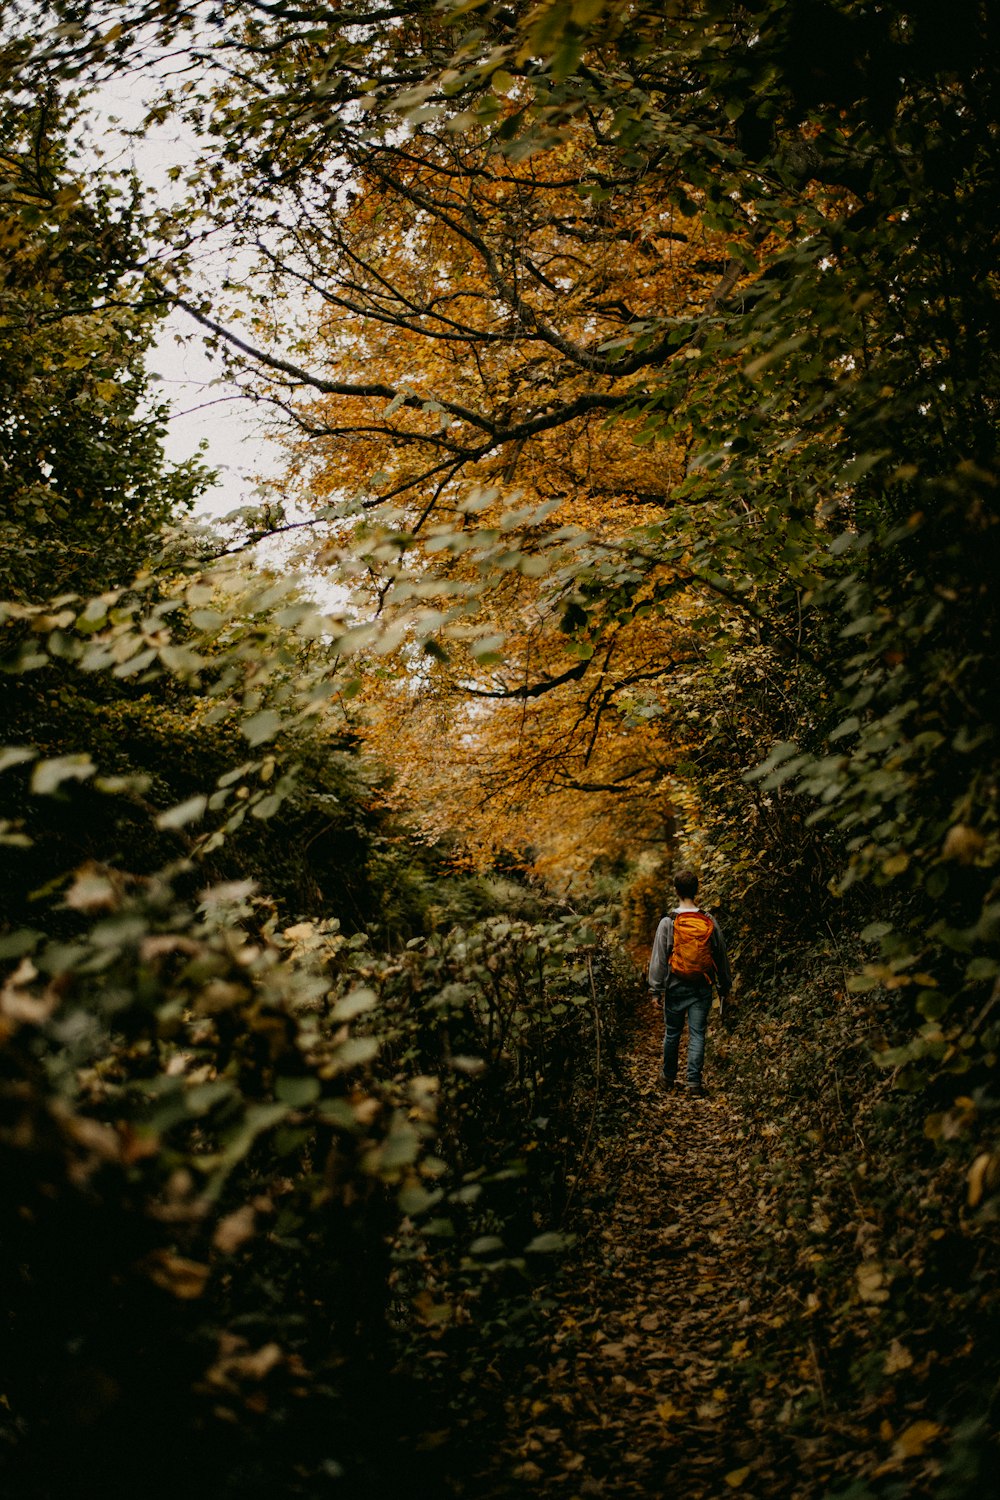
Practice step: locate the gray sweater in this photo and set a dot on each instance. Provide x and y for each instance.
(661, 976)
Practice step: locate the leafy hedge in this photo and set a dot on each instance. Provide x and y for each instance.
(249, 1168)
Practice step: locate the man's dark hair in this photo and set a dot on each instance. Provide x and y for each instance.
(686, 884)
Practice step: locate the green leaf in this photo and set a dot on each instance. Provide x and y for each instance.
(49, 775)
(15, 755)
(550, 1243)
(354, 1004)
(258, 1119)
(297, 1092)
(487, 1244)
(847, 726)
(414, 1198)
(354, 1052)
(182, 813)
(261, 726)
(780, 753)
(267, 806)
(17, 944)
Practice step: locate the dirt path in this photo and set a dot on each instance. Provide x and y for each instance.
(759, 1303)
(643, 1389)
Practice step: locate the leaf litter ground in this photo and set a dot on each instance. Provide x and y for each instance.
(669, 1364)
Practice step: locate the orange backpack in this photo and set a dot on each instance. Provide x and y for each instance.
(691, 954)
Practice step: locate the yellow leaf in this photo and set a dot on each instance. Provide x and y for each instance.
(261, 1362)
(983, 1178)
(175, 1274)
(914, 1439)
(735, 1477)
(871, 1282)
(666, 1411)
(898, 1358)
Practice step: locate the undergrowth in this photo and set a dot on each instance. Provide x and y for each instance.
(864, 1243)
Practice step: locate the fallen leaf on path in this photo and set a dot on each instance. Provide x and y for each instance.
(667, 1411)
(914, 1439)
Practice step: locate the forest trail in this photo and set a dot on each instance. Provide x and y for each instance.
(649, 1385)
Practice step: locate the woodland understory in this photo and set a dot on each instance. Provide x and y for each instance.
(631, 376)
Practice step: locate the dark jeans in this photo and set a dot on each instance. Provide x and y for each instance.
(694, 1001)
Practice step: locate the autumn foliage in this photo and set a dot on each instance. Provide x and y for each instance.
(634, 374)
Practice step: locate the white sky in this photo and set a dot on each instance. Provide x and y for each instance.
(206, 408)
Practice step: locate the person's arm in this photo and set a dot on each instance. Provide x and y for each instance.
(723, 973)
(659, 963)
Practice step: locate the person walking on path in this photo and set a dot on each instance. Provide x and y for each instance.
(689, 955)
